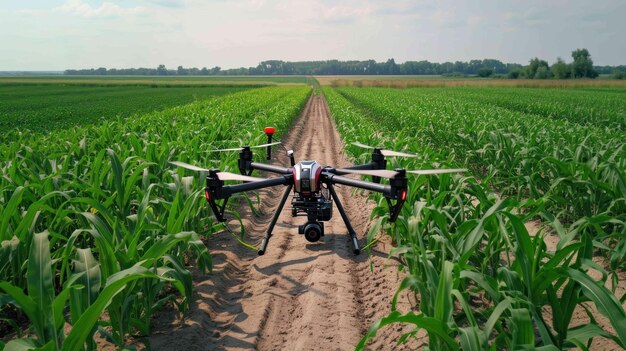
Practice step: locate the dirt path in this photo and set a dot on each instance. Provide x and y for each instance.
(299, 295)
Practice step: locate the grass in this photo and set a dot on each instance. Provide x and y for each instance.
(44, 108)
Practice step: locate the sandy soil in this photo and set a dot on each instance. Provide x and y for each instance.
(299, 295)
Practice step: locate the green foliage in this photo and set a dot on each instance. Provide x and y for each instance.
(515, 73)
(582, 67)
(531, 70)
(561, 70)
(543, 73)
(485, 72)
(480, 280)
(31, 107)
(119, 224)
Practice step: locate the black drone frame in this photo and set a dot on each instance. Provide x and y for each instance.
(395, 193)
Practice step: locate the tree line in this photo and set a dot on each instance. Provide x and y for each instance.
(581, 67)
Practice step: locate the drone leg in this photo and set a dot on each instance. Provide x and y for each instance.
(351, 231)
(268, 234)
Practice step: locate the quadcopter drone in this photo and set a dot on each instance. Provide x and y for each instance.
(313, 187)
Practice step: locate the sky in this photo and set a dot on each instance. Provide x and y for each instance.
(58, 35)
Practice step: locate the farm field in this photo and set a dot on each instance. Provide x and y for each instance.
(157, 80)
(106, 245)
(440, 81)
(100, 206)
(43, 108)
(461, 242)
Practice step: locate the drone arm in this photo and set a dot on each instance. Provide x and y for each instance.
(363, 167)
(228, 190)
(216, 190)
(336, 179)
(366, 167)
(396, 190)
(270, 168)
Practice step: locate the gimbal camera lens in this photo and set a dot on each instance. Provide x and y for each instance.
(312, 231)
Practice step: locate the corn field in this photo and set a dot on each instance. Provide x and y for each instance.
(482, 281)
(95, 221)
(99, 232)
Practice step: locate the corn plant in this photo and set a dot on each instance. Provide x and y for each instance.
(121, 224)
(481, 281)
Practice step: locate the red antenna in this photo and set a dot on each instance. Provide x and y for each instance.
(269, 131)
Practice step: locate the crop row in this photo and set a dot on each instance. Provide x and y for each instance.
(592, 107)
(579, 171)
(95, 219)
(480, 279)
(42, 108)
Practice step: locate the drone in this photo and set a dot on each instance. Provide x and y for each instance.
(313, 187)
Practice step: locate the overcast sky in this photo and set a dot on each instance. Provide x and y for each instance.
(56, 35)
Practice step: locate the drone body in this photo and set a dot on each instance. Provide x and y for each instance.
(313, 186)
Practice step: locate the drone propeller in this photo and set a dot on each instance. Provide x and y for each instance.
(220, 175)
(241, 148)
(384, 151)
(385, 173)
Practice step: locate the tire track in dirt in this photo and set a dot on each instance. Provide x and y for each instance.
(299, 295)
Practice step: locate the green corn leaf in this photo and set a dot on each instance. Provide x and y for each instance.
(40, 287)
(443, 304)
(21, 300)
(524, 252)
(27, 345)
(10, 210)
(604, 300)
(88, 271)
(471, 339)
(487, 283)
(163, 245)
(495, 315)
(431, 325)
(523, 330)
(582, 334)
(115, 284)
(58, 305)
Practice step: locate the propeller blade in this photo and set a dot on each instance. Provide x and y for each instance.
(384, 151)
(385, 173)
(356, 143)
(265, 145)
(220, 175)
(188, 166)
(234, 176)
(224, 150)
(241, 148)
(438, 171)
(396, 153)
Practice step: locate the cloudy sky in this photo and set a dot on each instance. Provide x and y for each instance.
(56, 35)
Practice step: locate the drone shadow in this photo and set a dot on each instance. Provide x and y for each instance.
(297, 287)
(329, 243)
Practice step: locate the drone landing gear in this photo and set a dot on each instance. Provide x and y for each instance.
(268, 234)
(355, 245)
(351, 232)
